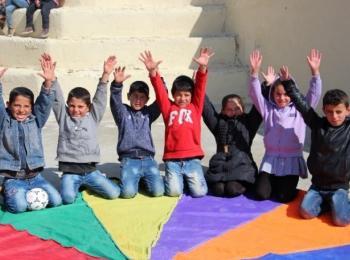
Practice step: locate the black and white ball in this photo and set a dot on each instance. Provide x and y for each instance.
(37, 199)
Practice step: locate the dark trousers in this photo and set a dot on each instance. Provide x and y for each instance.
(281, 188)
(45, 7)
(228, 188)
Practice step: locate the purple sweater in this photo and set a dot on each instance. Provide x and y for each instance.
(284, 128)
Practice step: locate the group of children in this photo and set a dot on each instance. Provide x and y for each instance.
(277, 103)
(9, 6)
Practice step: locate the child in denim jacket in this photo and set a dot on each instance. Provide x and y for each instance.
(135, 144)
(21, 149)
(182, 118)
(78, 151)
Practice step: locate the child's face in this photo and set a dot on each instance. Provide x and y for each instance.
(336, 114)
(280, 96)
(232, 108)
(137, 100)
(20, 108)
(77, 107)
(182, 98)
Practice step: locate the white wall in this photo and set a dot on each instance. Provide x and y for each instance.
(285, 31)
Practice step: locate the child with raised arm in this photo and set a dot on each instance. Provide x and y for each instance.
(21, 149)
(182, 118)
(329, 158)
(284, 132)
(135, 144)
(78, 151)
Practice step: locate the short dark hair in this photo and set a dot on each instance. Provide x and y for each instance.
(226, 98)
(335, 97)
(21, 91)
(139, 86)
(182, 83)
(80, 93)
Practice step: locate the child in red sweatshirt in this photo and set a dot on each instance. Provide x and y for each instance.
(182, 118)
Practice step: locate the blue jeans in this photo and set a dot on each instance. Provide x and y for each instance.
(191, 170)
(132, 170)
(11, 6)
(16, 189)
(94, 181)
(337, 200)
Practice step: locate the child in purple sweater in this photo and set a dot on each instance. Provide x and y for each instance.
(284, 130)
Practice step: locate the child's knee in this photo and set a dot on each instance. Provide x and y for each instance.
(68, 198)
(306, 212)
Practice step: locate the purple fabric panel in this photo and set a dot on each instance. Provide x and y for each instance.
(196, 220)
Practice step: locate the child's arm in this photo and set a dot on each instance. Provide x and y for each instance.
(254, 85)
(44, 101)
(210, 116)
(154, 110)
(300, 102)
(201, 78)
(315, 90)
(99, 102)
(117, 107)
(2, 103)
(157, 82)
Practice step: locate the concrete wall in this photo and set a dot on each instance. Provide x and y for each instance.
(285, 31)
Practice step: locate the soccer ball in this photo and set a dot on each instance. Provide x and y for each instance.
(37, 199)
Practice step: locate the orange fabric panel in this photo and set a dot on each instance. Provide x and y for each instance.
(279, 231)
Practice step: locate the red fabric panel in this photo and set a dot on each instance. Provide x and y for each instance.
(22, 245)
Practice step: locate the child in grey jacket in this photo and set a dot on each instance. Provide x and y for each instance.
(78, 151)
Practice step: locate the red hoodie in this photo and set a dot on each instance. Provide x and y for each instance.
(182, 125)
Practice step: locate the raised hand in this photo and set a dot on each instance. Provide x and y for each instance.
(108, 67)
(119, 75)
(284, 73)
(150, 64)
(270, 75)
(48, 69)
(314, 60)
(203, 59)
(2, 71)
(255, 62)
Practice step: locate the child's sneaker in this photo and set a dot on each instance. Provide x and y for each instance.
(44, 34)
(27, 31)
(10, 32)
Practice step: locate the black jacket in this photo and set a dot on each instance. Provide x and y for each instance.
(239, 164)
(329, 158)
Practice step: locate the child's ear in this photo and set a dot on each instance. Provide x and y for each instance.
(7, 103)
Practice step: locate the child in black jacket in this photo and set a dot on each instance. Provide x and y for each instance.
(329, 159)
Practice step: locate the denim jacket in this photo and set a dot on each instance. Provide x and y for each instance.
(9, 141)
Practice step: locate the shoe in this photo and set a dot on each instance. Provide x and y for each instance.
(10, 32)
(44, 34)
(27, 31)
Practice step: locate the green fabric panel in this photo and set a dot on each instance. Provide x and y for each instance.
(73, 225)
(134, 224)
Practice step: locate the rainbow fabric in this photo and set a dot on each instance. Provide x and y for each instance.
(171, 228)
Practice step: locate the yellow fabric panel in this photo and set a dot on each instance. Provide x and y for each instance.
(134, 224)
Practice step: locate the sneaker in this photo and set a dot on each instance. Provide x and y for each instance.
(10, 32)
(44, 34)
(27, 31)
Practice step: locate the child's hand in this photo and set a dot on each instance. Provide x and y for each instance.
(314, 60)
(270, 75)
(151, 65)
(284, 73)
(2, 72)
(119, 75)
(48, 69)
(255, 62)
(204, 56)
(108, 67)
